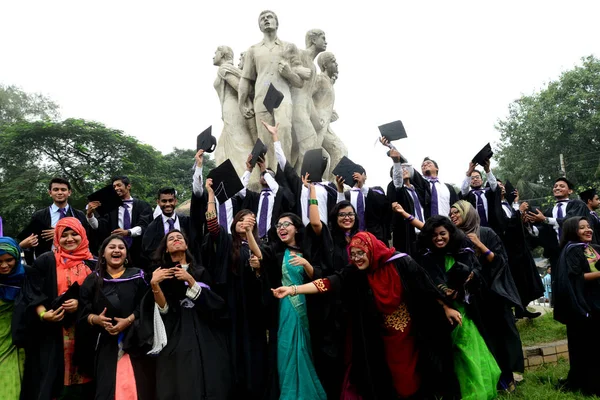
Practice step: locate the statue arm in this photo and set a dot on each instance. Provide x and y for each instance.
(243, 98)
(292, 77)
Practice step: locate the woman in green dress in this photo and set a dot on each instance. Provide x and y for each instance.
(448, 257)
(12, 274)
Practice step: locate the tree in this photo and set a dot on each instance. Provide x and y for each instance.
(17, 105)
(563, 118)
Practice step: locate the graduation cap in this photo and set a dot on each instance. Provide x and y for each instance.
(587, 194)
(484, 154)
(108, 198)
(273, 98)
(71, 293)
(34, 227)
(510, 192)
(314, 163)
(206, 141)
(393, 131)
(258, 151)
(226, 182)
(346, 168)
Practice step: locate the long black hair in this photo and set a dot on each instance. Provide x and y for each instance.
(101, 262)
(334, 226)
(236, 243)
(424, 240)
(570, 229)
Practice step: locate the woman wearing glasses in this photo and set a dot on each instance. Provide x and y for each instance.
(396, 315)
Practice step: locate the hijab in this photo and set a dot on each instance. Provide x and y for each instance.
(470, 218)
(69, 259)
(11, 284)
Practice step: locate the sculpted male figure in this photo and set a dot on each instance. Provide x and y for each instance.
(324, 99)
(239, 134)
(263, 65)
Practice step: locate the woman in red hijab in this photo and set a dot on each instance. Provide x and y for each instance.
(398, 321)
(51, 293)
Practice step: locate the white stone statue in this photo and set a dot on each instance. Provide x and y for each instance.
(239, 134)
(324, 99)
(263, 65)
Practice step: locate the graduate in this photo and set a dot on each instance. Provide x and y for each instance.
(576, 293)
(109, 304)
(591, 200)
(499, 293)
(12, 275)
(484, 198)
(233, 261)
(50, 301)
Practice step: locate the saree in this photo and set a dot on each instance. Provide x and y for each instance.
(297, 375)
(475, 367)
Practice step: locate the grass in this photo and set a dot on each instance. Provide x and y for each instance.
(543, 329)
(542, 383)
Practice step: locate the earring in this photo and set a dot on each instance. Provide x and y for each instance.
(126, 262)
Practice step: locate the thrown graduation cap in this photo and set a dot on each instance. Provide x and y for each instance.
(346, 168)
(314, 163)
(34, 227)
(393, 130)
(226, 182)
(510, 192)
(484, 154)
(258, 151)
(273, 98)
(108, 198)
(587, 194)
(206, 141)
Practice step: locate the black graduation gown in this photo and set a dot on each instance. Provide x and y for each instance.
(195, 363)
(284, 202)
(121, 300)
(249, 302)
(378, 213)
(155, 232)
(577, 304)
(43, 375)
(141, 216)
(198, 207)
(520, 260)
(501, 334)
(595, 224)
(494, 203)
(44, 219)
(369, 372)
(404, 235)
(423, 189)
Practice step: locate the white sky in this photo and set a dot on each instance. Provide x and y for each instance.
(448, 70)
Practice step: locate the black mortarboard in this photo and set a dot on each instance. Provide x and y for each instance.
(510, 192)
(206, 141)
(35, 226)
(484, 154)
(314, 163)
(587, 194)
(393, 130)
(273, 98)
(226, 182)
(108, 198)
(258, 151)
(346, 168)
(71, 293)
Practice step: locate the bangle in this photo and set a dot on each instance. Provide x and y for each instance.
(487, 253)
(212, 202)
(42, 315)
(295, 290)
(129, 320)
(313, 202)
(409, 218)
(211, 215)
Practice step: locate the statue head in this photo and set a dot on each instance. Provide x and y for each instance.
(316, 37)
(223, 55)
(268, 21)
(327, 63)
(242, 59)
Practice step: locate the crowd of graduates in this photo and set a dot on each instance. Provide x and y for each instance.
(303, 289)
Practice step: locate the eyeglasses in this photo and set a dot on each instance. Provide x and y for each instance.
(357, 255)
(283, 224)
(343, 215)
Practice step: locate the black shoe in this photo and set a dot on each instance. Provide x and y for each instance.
(526, 314)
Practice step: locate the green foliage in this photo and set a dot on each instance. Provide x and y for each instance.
(563, 118)
(17, 105)
(543, 329)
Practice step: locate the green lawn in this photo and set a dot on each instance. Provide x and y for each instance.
(540, 330)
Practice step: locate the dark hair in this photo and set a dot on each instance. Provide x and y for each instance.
(565, 180)
(236, 243)
(434, 163)
(121, 178)
(479, 172)
(588, 195)
(166, 190)
(334, 227)
(59, 180)
(426, 235)
(569, 230)
(101, 263)
(300, 229)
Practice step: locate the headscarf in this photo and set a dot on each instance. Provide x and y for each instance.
(470, 218)
(11, 284)
(383, 276)
(69, 259)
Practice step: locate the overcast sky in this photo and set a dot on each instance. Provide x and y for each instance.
(448, 70)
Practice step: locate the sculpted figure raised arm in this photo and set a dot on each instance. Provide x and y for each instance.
(263, 65)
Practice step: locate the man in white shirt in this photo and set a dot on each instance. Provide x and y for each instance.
(485, 200)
